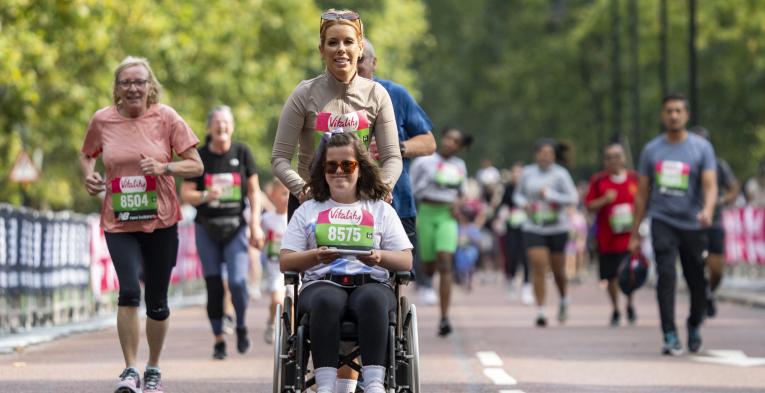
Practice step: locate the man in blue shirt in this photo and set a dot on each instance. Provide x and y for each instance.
(416, 139)
(677, 190)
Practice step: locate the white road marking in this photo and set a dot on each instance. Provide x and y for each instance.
(730, 358)
(489, 359)
(511, 391)
(499, 376)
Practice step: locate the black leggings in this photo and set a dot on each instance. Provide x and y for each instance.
(147, 256)
(515, 254)
(368, 304)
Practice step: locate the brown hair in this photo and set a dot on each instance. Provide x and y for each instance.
(154, 87)
(326, 24)
(369, 185)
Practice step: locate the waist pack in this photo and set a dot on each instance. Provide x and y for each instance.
(221, 229)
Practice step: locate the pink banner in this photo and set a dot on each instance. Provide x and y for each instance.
(104, 278)
(744, 235)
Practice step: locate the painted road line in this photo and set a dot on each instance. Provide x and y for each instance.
(730, 358)
(499, 376)
(511, 391)
(489, 359)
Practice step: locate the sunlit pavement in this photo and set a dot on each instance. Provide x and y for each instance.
(495, 348)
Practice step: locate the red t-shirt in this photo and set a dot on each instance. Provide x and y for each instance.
(614, 221)
(145, 203)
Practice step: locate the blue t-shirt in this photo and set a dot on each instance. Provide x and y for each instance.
(411, 121)
(674, 171)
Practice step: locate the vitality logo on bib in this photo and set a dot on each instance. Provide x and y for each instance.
(134, 198)
(345, 227)
(672, 177)
(356, 122)
(449, 175)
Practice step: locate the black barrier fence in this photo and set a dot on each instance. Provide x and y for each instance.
(44, 268)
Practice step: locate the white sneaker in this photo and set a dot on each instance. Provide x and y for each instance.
(268, 335)
(527, 297)
(427, 296)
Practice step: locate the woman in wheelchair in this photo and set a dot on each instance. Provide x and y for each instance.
(345, 241)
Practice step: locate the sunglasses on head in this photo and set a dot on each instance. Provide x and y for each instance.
(334, 15)
(346, 166)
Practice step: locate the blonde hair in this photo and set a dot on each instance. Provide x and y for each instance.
(326, 24)
(154, 87)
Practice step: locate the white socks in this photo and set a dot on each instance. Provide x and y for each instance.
(345, 386)
(325, 379)
(541, 311)
(373, 379)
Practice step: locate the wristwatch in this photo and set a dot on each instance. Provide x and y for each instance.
(168, 169)
(402, 147)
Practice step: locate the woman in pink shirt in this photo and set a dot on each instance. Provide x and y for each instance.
(137, 137)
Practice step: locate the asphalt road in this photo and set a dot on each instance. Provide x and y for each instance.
(495, 349)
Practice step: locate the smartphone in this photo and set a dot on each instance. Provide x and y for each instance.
(347, 251)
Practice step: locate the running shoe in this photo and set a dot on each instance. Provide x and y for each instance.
(631, 316)
(427, 296)
(219, 350)
(615, 316)
(242, 341)
(672, 345)
(444, 328)
(152, 381)
(694, 339)
(527, 297)
(711, 306)
(541, 321)
(268, 335)
(562, 312)
(228, 324)
(130, 382)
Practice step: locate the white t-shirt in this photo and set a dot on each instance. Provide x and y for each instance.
(365, 224)
(274, 227)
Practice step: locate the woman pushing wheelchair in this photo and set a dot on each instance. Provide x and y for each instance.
(346, 241)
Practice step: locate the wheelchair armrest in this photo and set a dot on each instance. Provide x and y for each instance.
(291, 278)
(403, 277)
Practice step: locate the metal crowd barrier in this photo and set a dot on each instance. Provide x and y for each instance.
(55, 269)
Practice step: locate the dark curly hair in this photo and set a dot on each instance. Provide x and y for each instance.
(369, 185)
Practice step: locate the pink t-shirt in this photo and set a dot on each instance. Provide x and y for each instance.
(144, 203)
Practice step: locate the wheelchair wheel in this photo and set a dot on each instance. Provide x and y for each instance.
(413, 350)
(301, 360)
(278, 351)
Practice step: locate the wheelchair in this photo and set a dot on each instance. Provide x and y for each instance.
(292, 346)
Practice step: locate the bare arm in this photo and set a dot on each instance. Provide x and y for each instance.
(420, 145)
(641, 197)
(257, 238)
(731, 193)
(709, 187)
(93, 181)
(189, 166)
(303, 260)
(190, 194)
(395, 260)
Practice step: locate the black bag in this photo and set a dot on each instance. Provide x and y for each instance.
(221, 229)
(633, 272)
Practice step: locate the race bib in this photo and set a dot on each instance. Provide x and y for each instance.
(517, 217)
(544, 213)
(345, 227)
(229, 183)
(355, 122)
(134, 198)
(449, 175)
(672, 175)
(621, 218)
(273, 244)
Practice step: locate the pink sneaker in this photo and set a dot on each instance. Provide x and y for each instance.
(129, 382)
(152, 381)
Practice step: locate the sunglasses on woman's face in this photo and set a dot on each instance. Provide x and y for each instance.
(332, 15)
(346, 166)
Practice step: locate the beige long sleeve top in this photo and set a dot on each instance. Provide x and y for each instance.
(322, 104)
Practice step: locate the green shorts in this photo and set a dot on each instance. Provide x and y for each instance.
(437, 231)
